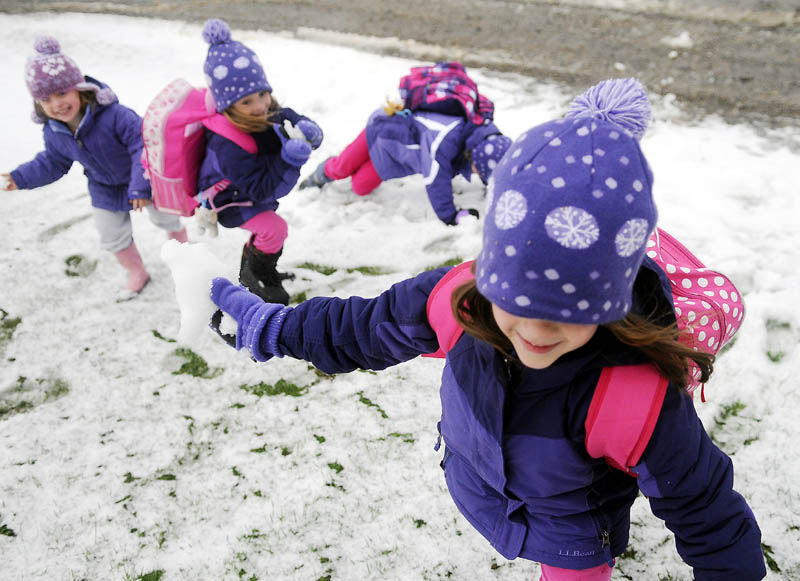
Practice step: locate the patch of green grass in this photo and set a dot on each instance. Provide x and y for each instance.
(130, 478)
(166, 477)
(451, 262)
(151, 576)
(281, 387)
(368, 270)
(419, 523)
(335, 466)
(195, 365)
(298, 298)
(78, 265)
(158, 335)
(6, 531)
(768, 556)
(728, 411)
(35, 392)
(368, 402)
(320, 439)
(260, 450)
(405, 436)
(7, 326)
(322, 269)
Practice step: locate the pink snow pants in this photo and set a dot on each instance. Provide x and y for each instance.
(269, 231)
(354, 161)
(599, 573)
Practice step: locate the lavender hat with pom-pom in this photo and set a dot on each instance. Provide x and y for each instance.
(570, 211)
(49, 70)
(232, 70)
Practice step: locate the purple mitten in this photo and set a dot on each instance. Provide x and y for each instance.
(311, 131)
(295, 152)
(253, 317)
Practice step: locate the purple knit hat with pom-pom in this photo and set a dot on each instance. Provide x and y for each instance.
(232, 70)
(569, 212)
(49, 70)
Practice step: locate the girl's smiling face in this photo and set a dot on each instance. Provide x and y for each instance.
(64, 107)
(254, 104)
(538, 342)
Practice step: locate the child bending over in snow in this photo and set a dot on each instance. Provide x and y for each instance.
(561, 292)
(398, 142)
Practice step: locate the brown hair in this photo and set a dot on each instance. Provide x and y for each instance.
(655, 334)
(87, 98)
(252, 123)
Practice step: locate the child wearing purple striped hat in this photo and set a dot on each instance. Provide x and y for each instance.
(84, 122)
(561, 297)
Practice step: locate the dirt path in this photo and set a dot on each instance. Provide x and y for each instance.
(742, 66)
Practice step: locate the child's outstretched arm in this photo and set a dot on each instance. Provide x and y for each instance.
(47, 167)
(336, 335)
(689, 482)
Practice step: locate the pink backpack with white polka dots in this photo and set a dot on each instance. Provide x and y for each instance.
(708, 307)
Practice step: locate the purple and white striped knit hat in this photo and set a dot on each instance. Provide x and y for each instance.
(569, 212)
(232, 70)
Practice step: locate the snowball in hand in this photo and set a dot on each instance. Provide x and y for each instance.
(293, 132)
(193, 267)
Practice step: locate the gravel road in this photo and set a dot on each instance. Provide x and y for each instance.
(740, 58)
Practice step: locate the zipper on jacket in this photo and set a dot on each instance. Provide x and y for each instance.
(605, 538)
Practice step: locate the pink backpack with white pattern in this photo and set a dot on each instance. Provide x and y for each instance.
(445, 88)
(174, 145)
(626, 403)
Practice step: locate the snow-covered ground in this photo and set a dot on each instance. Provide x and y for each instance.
(116, 462)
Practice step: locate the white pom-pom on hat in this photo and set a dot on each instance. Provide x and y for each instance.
(622, 102)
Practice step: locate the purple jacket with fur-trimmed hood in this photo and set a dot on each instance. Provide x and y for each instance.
(425, 143)
(108, 144)
(257, 180)
(515, 459)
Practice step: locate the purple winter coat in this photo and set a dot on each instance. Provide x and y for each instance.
(259, 179)
(108, 144)
(425, 143)
(515, 460)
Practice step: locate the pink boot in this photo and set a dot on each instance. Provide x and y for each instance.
(180, 236)
(137, 275)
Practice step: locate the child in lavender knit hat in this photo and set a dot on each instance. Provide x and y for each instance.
(561, 295)
(84, 122)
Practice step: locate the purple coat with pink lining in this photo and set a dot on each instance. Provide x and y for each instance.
(515, 461)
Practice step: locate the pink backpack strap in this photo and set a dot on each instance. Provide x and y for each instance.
(623, 414)
(440, 313)
(221, 125)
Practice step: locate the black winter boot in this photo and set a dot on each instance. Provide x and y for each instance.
(259, 274)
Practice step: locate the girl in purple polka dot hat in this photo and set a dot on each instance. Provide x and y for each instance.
(239, 188)
(563, 391)
(569, 212)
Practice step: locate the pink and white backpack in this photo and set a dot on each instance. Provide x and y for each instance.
(445, 88)
(626, 403)
(174, 144)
